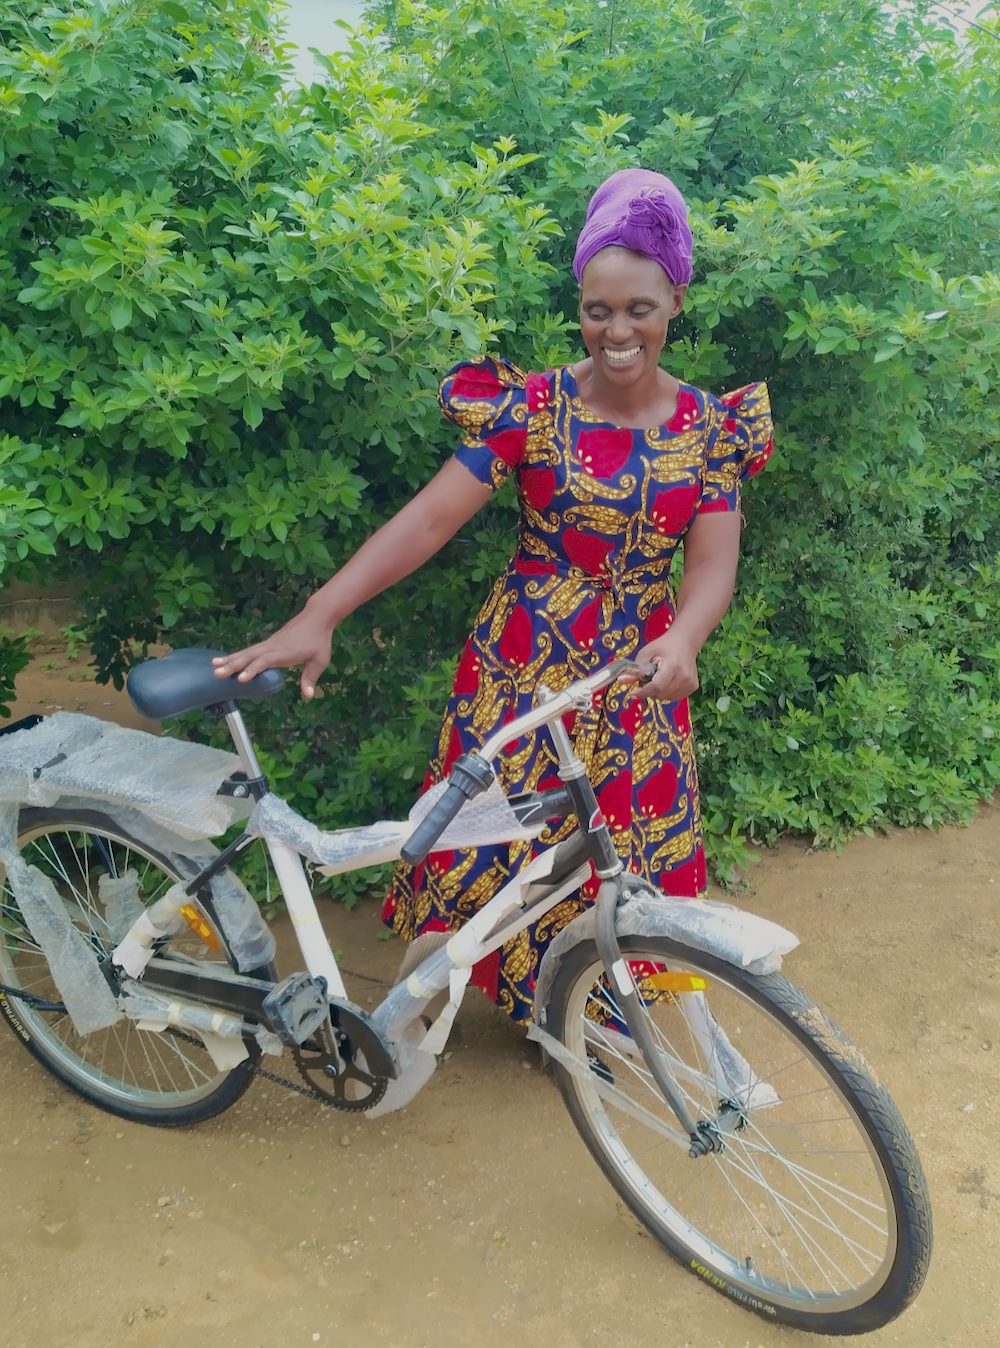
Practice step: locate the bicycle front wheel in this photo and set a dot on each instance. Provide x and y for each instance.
(163, 1078)
(811, 1209)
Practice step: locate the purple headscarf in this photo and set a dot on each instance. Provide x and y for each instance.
(644, 212)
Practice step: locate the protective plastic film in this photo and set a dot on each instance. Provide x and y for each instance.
(173, 782)
(222, 1035)
(119, 896)
(486, 819)
(340, 850)
(744, 939)
(70, 956)
(248, 936)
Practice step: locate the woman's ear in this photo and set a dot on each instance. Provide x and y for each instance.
(680, 293)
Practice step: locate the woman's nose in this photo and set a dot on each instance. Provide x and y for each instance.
(619, 327)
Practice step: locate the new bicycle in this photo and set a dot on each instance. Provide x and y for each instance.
(735, 1120)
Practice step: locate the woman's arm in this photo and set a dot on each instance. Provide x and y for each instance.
(402, 545)
(711, 556)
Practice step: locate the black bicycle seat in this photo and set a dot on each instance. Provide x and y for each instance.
(185, 680)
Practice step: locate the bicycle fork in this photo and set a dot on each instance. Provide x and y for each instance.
(704, 1135)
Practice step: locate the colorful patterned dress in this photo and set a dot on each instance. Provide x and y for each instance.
(603, 510)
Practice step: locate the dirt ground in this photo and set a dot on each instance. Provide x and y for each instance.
(476, 1216)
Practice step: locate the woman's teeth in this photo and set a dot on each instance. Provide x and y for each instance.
(622, 357)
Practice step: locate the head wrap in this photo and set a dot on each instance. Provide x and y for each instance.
(644, 212)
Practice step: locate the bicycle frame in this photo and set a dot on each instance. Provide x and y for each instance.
(539, 885)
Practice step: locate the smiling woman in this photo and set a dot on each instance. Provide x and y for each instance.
(626, 305)
(617, 464)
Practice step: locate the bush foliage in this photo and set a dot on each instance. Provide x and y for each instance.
(225, 303)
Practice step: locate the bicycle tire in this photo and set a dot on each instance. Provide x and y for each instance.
(159, 1078)
(861, 1168)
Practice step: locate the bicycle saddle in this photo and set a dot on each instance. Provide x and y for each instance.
(184, 680)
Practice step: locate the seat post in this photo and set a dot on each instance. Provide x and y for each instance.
(241, 739)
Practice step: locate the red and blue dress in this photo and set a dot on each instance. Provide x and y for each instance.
(603, 510)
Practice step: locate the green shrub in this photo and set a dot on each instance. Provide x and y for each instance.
(225, 305)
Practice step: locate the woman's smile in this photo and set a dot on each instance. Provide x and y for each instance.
(618, 357)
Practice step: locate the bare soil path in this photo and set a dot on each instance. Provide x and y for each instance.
(475, 1216)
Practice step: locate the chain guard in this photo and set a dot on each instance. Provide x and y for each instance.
(329, 1079)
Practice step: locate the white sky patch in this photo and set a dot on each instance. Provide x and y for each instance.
(313, 23)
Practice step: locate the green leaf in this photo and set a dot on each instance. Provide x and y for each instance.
(120, 313)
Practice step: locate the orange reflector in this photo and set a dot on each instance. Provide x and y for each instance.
(674, 981)
(199, 926)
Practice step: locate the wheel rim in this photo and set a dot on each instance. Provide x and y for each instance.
(798, 1190)
(129, 1067)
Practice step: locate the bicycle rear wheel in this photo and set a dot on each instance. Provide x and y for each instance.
(163, 1078)
(814, 1212)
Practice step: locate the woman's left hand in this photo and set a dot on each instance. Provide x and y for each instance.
(676, 661)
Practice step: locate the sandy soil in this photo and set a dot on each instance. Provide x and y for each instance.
(476, 1217)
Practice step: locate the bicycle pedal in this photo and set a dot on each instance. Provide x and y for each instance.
(296, 1007)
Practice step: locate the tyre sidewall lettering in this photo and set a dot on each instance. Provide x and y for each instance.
(737, 1293)
(10, 1015)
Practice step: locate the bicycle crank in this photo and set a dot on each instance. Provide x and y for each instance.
(337, 1078)
(349, 1064)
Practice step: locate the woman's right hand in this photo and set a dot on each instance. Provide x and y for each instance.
(305, 640)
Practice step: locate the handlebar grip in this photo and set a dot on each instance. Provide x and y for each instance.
(433, 824)
(470, 774)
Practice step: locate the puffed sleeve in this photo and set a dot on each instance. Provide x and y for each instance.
(741, 447)
(486, 398)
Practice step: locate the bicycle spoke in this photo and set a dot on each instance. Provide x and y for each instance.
(788, 1199)
(131, 1066)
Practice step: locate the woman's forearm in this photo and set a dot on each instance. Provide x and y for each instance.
(711, 558)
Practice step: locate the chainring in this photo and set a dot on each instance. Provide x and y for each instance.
(332, 1080)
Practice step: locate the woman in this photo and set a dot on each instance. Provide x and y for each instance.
(616, 461)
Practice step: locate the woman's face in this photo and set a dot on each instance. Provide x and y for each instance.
(626, 304)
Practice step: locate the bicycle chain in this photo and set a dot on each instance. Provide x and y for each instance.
(311, 1093)
(31, 1000)
(296, 1087)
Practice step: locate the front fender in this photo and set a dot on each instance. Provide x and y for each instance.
(731, 934)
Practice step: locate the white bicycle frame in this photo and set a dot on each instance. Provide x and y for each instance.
(401, 1027)
(508, 912)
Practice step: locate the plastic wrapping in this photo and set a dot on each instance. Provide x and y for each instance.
(89, 1001)
(119, 896)
(416, 1067)
(487, 819)
(163, 918)
(336, 851)
(247, 934)
(173, 782)
(222, 1034)
(738, 937)
(731, 1073)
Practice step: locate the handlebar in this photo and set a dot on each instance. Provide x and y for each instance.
(473, 772)
(576, 697)
(469, 775)
(433, 824)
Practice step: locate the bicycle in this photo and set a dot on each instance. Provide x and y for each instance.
(735, 1120)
